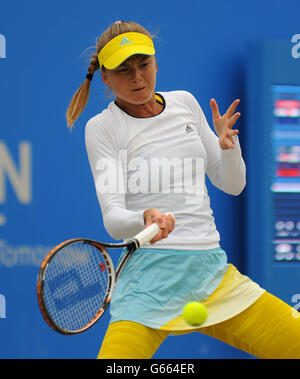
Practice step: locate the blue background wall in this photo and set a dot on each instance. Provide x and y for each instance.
(201, 47)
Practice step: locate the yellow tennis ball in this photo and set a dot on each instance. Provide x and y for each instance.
(194, 313)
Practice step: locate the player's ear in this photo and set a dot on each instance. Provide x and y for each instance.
(156, 66)
(104, 77)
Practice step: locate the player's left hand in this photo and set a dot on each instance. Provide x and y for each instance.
(223, 124)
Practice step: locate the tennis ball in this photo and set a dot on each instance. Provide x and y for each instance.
(194, 313)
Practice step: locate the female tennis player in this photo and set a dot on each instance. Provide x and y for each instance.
(146, 151)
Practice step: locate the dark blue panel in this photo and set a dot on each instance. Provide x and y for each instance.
(273, 144)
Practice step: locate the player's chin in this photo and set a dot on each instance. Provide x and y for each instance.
(141, 97)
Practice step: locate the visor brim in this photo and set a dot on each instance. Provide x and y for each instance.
(120, 56)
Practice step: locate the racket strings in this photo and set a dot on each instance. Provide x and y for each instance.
(75, 285)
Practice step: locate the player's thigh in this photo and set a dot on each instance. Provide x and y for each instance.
(130, 340)
(269, 328)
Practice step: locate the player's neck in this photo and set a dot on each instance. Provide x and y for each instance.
(149, 109)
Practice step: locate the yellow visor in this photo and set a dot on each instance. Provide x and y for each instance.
(124, 46)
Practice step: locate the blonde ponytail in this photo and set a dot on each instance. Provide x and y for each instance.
(80, 98)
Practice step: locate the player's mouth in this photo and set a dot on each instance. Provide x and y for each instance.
(138, 89)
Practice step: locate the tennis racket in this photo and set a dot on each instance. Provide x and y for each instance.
(77, 278)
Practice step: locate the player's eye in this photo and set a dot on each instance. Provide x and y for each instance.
(122, 69)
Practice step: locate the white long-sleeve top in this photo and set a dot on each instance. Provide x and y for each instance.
(161, 162)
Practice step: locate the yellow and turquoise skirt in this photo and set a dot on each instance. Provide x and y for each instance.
(156, 284)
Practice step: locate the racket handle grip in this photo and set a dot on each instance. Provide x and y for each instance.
(147, 234)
